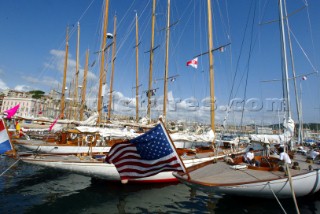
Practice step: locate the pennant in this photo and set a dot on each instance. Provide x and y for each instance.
(193, 63)
(54, 122)
(11, 112)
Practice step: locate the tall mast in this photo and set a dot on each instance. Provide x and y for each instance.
(69, 108)
(62, 102)
(286, 93)
(165, 93)
(285, 65)
(210, 42)
(103, 45)
(84, 86)
(76, 100)
(298, 101)
(137, 69)
(112, 65)
(151, 59)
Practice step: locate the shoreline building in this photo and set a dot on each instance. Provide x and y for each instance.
(46, 106)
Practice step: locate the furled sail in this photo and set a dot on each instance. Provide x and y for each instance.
(276, 139)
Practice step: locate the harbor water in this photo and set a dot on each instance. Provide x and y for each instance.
(26, 188)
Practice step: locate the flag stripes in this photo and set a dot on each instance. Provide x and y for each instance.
(145, 155)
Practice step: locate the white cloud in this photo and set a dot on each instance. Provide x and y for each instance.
(47, 81)
(22, 88)
(57, 63)
(188, 110)
(54, 64)
(184, 110)
(3, 85)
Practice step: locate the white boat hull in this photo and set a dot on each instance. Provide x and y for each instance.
(68, 149)
(101, 169)
(304, 184)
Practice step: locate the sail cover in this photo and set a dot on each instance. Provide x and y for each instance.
(276, 139)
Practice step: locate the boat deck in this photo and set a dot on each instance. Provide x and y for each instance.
(225, 174)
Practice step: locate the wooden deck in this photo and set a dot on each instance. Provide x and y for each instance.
(221, 173)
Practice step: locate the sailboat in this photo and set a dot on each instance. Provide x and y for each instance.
(86, 136)
(94, 164)
(82, 139)
(234, 177)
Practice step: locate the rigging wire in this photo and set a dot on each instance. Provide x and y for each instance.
(277, 198)
(310, 29)
(126, 14)
(303, 51)
(249, 59)
(237, 67)
(54, 60)
(9, 167)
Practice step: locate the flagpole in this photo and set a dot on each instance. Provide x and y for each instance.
(174, 147)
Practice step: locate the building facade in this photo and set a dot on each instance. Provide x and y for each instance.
(29, 107)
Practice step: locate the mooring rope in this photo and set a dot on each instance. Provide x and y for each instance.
(292, 190)
(10, 167)
(277, 198)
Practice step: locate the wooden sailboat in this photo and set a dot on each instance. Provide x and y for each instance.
(84, 139)
(95, 166)
(103, 137)
(234, 177)
(71, 141)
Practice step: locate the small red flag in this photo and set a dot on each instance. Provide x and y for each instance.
(193, 63)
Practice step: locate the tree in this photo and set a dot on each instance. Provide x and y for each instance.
(37, 94)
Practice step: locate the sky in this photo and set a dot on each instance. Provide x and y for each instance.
(33, 49)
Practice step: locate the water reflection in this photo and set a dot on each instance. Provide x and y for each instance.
(32, 189)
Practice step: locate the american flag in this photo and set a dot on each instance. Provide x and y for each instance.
(146, 155)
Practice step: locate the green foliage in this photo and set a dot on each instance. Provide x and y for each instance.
(37, 94)
(311, 126)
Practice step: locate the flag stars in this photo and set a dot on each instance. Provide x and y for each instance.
(153, 145)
